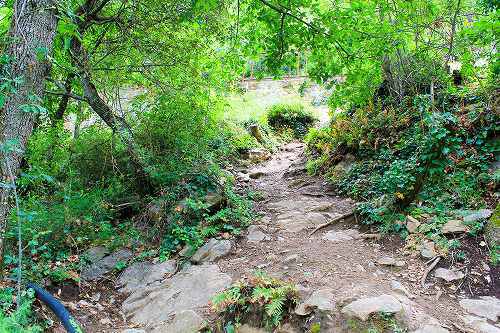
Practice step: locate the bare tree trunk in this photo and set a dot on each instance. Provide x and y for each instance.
(32, 31)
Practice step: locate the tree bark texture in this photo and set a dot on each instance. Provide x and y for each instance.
(31, 36)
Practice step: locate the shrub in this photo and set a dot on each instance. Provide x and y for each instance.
(292, 117)
(434, 157)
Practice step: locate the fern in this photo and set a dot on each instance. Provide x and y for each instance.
(270, 298)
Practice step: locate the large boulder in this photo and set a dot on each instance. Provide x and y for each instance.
(187, 290)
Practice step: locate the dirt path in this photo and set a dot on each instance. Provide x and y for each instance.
(346, 264)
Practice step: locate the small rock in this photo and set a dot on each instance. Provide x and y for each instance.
(428, 250)
(431, 329)
(183, 322)
(364, 307)
(105, 321)
(243, 177)
(212, 250)
(453, 226)
(389, 261)
(341, 236)
(485, 306)
(290, 259)
(256, 174)
(133, 330)
(448, 275)
(398, 287)
(105, 265)
(255, 235)
(249, 329)
(412, 224)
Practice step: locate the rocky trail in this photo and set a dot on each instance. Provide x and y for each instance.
(343, 271)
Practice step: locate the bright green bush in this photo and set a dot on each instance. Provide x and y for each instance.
(293, 117)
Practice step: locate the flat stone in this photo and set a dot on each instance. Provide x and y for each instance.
(183, 322)
(412, 224)
(187, 290)
(133, 330)
(142, 274)
(476, 215)
(389, 261)
(486, 307)
(448, 275)
(255, 235)
(105, 265)
(453, 226)
(212, 250)
(365, 307)
(431, 329)
(296, 221)
(341, 236)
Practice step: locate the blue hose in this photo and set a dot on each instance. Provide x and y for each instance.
(69, 323)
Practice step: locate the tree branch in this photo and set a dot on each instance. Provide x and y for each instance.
(286, 11)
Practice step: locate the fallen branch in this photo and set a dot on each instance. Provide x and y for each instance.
(321, 226)
(428, 270)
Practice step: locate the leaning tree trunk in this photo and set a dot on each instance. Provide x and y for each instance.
(32, 32)
(104, 111)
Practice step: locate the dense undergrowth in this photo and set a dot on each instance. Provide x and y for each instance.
(428, 160)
